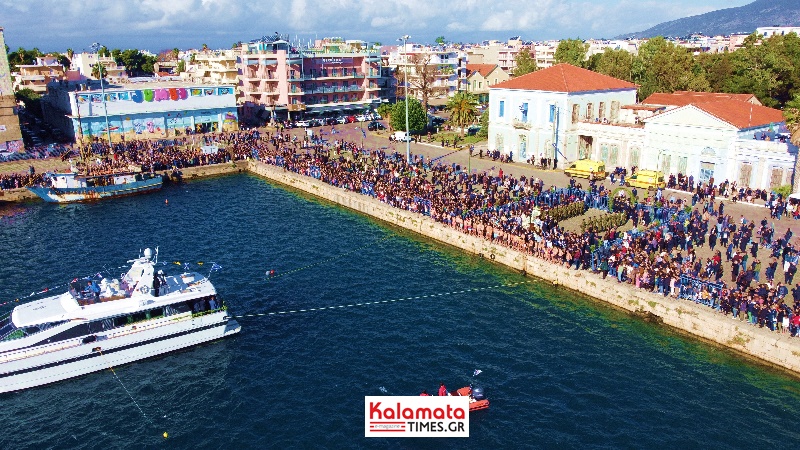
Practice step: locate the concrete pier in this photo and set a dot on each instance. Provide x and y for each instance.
(778, 350)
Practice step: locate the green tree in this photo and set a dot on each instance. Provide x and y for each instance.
(615, 63)
(31, 100)
(70, 53)
(572, 51)
(462, 107)
(385, 111)
(440, 40)
(181, 67)
(525, 63)
(22, 57)
(768, 68)
(662, 66)
(484, 121)
(175, 52)
(417, 118)
(791, 113)
(99, 71)
(103, 52)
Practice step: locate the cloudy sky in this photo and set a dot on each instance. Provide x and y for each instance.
(55, 25)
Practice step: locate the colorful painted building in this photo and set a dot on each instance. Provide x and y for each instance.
(144, 110)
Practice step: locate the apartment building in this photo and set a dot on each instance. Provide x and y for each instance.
(84, 62)
(213, 67)
(449, 66)
(277, 79)
(36, 76)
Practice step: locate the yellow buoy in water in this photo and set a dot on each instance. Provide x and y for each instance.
(166, 435)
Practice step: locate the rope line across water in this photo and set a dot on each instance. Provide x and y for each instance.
(332, 258)
(379, 302)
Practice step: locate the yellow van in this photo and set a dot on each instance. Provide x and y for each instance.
(647, 179)
(587, 168)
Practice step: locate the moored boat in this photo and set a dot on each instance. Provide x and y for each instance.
(102, 322)
(73, 187)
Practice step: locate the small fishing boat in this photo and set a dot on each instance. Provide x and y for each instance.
(74, 187)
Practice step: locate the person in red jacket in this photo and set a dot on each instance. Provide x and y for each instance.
(424, 393)
(442, 390)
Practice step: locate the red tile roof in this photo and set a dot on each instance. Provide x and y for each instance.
(683, 98)
(741, 114)
(565, 78)
(483, 69)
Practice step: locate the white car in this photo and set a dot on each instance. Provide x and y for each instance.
(363, 118)
(303, 123)
(401, 136)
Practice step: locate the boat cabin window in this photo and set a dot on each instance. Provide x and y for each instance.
(9, 331)
(70, 333)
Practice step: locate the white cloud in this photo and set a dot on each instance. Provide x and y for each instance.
(155, 24)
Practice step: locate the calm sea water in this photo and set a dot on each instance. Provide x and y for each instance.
(560, 370)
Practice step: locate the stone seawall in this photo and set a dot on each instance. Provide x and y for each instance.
(697, 320)
(189, 173)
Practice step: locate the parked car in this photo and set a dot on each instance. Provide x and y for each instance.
(331, 121)
(375, 126)
(351, 119)
(341, 119)
(302, 123)
(376, 116)
(362, 118)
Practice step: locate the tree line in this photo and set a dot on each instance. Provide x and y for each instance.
(767, 67)
(136, 63)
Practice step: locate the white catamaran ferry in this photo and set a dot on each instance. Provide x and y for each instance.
(98, 324)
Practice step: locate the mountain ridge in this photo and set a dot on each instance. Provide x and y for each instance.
(741, 19)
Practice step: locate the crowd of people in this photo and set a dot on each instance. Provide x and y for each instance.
(660, 254)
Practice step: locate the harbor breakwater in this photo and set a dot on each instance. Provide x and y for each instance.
(778, 350)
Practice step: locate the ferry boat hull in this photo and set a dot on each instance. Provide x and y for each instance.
(81, 358)
(97, 325)
(89, 193)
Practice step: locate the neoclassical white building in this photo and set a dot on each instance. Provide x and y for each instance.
(584, 115)
(537, 115)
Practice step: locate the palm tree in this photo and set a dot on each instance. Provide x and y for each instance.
(462, 107)
(205, 48)
(70, 52)
(175, 53)
(98, 71)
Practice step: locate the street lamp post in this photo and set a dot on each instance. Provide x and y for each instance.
(405, 38)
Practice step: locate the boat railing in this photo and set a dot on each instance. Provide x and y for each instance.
(210, 311)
